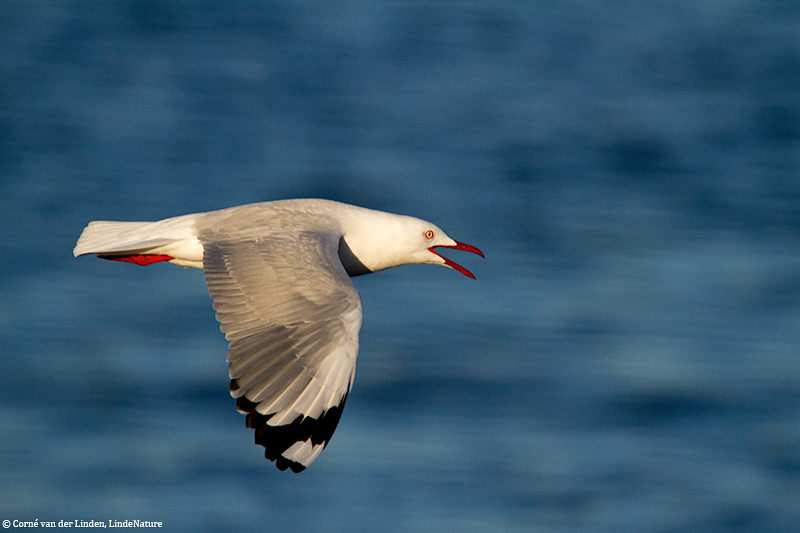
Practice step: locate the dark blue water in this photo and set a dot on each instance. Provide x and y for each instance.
(628, 360)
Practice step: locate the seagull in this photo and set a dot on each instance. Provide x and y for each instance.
(278, 274)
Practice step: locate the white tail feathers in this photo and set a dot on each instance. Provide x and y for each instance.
(173, 237)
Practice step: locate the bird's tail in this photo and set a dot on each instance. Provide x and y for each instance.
(143, 243)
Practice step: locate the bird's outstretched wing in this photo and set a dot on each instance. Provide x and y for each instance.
(292, 318)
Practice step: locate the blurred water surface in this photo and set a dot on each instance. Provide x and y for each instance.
(627, 360)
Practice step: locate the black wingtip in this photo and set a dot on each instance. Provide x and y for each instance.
(283, 463)
(278, 439)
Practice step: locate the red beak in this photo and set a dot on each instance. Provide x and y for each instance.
(458, 246)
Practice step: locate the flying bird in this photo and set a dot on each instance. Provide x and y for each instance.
(278, 274)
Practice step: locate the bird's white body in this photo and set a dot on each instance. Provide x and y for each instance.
(279, 276)
(379, 240)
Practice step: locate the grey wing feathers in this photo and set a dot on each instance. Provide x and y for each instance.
(292, 317)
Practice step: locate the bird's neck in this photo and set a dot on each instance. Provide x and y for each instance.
(372, 241)
(352, 264)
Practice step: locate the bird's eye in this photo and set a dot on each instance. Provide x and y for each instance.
(429, 234)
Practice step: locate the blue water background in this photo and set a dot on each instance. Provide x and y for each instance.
(628, 359)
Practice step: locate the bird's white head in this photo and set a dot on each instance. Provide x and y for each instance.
(383, 240)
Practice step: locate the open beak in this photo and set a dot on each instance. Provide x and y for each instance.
(458, 246)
